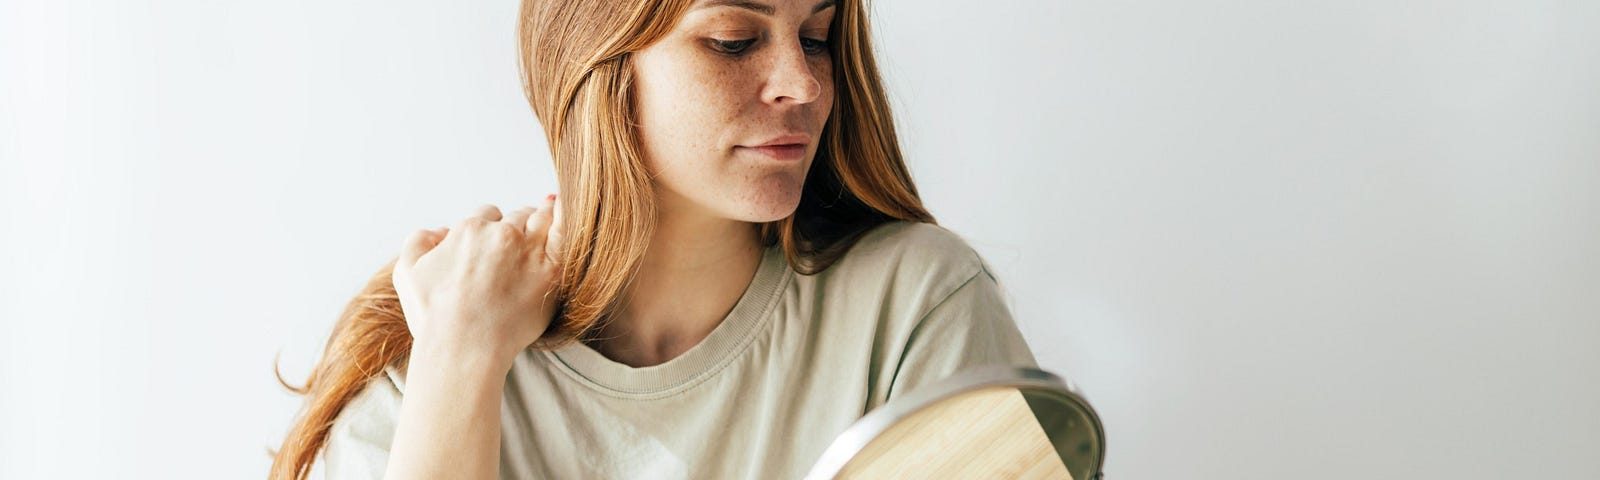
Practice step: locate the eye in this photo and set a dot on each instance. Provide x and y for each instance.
(731, 47)
(813, 46)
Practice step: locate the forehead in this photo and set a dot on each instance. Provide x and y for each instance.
(767, 7)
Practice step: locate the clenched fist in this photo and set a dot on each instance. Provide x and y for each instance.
(485, 288)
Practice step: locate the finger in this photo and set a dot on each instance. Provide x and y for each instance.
(539, 222)
(557, 234)
(487, 212)
(519, 217)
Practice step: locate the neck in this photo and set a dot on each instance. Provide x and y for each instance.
(696, 268)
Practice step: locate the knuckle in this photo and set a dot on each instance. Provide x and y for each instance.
(503, 232)
(417, 237)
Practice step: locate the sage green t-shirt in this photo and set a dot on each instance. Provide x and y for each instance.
(797, 360)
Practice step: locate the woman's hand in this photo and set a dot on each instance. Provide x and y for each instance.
(473, 297)
(483, 289)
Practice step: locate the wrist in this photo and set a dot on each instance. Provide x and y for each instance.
(458, 360)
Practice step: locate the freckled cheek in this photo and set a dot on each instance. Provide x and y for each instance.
(690, 108)
(722, 114)
(824, 103)
(728, 88)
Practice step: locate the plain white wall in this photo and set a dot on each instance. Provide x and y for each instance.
(1268, 239)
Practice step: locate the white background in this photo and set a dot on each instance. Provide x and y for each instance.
(1269, 239)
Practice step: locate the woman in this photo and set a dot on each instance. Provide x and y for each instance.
(737, 268)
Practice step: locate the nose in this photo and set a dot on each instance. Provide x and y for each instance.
(791, 79)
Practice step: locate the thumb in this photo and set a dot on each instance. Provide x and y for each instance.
(418, 244)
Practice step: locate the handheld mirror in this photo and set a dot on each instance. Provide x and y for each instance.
(989, 422)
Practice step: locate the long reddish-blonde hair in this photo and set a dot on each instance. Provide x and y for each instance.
(574, 61)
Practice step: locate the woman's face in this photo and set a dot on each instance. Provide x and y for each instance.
(731, 105)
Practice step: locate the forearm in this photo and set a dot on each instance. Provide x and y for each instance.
(449, 425)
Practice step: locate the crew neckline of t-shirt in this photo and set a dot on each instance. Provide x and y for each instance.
(705, 359)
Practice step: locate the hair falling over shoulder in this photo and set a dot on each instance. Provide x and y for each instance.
(371, 334)
(573, 60)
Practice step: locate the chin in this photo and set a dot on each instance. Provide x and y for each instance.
(769, 216)
(773, 203)
(768, 212)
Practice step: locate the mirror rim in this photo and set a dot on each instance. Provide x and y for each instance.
(855, 438)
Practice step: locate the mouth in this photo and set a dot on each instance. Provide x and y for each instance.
(784, 152)
(785, 148)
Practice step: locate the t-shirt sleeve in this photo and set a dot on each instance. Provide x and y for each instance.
(972, 327)
(358, 442)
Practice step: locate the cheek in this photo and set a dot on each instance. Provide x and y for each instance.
(685, 105)
(823, 70)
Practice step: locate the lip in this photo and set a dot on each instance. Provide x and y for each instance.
(786, 148)
(789, 152)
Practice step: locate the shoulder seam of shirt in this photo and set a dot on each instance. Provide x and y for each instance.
(899, 363)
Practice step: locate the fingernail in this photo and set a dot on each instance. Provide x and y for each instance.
(550, 197)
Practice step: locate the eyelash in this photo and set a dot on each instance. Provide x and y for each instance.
(738, 47)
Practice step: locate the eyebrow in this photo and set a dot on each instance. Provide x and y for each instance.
(758, 7)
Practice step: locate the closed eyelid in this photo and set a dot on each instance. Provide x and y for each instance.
(734, 34)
